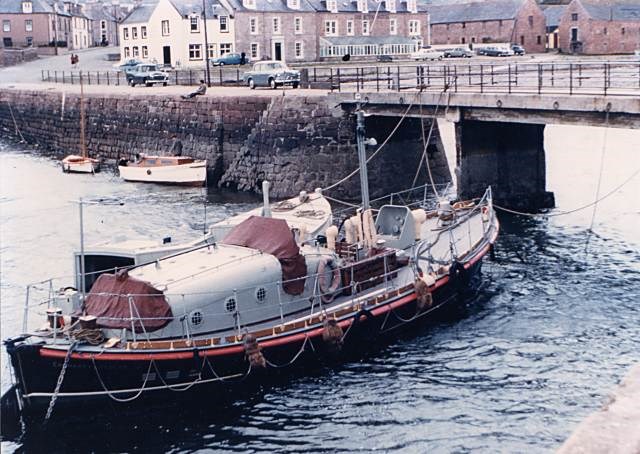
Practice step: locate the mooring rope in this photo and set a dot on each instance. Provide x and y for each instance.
(15, 123)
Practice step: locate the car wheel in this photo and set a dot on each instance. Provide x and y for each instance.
(272, 83)
(148, 84)
(164, 84)
(221, 63)
(295, 84)
(440, 57)
(132, 83)
(252, 84)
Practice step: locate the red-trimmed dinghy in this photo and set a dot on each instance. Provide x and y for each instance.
(258, 299)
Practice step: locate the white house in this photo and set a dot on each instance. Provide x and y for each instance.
(172, 32)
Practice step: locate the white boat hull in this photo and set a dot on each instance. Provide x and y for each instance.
(87, 165)
(192, 174)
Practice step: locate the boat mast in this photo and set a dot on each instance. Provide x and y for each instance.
(83, 145)
(362, 158)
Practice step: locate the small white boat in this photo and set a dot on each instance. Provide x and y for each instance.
(80, 164)
(181, 170)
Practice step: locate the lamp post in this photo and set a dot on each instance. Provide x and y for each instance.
(206, 42)
(55, 27)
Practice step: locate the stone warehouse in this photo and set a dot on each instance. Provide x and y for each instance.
(489, 21)
(297, 143)
(600, 27)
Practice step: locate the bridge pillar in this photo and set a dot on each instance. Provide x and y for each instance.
(507, 156)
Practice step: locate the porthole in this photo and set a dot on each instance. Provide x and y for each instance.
(195, 318)
(261, 294)
(230, 304)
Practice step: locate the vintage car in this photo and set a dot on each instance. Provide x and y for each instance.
(232, 58)
(458, 52)
(384, 58)
(517, 49)
(427, 53)
(492, 51)
(128, 65)
(271, 74)
(148, 74)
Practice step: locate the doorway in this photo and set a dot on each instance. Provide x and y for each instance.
(166, 55)
(277, 50)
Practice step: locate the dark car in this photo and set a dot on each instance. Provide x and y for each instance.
(384, 58)
(232, 58)
(271, 74)
(458, 52)
(147, 74)
(493, 52)
(517, 49)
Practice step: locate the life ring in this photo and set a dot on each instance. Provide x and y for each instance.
(328, 290)
(463, 205)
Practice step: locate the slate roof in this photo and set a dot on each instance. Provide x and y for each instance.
(98, 11)
(15, 6)
(618, 11)
(474, 11)
(553, 14)
(272, 6)
(319, 6)
(355, 40)
(141, 14)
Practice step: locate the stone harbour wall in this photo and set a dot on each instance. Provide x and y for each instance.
(295, 142)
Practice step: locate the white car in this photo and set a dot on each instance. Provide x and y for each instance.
(427, 54)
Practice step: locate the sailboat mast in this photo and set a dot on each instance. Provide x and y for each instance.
(83, 145)
(362, 158)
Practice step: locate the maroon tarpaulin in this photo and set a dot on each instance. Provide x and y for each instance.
(109, 298)
(273, 236)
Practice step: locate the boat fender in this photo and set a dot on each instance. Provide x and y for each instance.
(253, 353)
(419, 216)
(458, 274)
(332, 334)
(463, 205)
(328, 290)
(424, 299)
(349, 231)
(485, 214)
(332, 234)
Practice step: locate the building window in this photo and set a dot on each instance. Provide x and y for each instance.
(250, 4)
(331, 28)
(332, 5)
(127, 54)
(391, 5)
(297, 25)
(134, 32)
(463, 41)
(27, 7)
(225, 48)
(574, 34)
(522, 40)
(464, 25)
(125, 33)
(500, 23)
(604, 30)
(276, 26)
(212, 50)
(29, 41)
(143, 32)
(195, 24)
(294, 4)
(530, 21)
(28, 25)
(103, 24)
(195, 51)
(393, 27)
(254, 49)
(224, 26)
(363, 6)
(622, 31)
(365, 27)
(539, 39)
(253, 26)
(145, 52)
(574, 16)
(350, 27)
(473, 39)
(299, 51)
(135, 51)
(165, 28)
(414, 27)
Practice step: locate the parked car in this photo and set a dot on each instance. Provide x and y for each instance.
(458, 52)
(494, 52)
(232, 58)
(127, 65)
(517, 49)
(427, 53)
(384, 58)
(271, 74)
(147, 74)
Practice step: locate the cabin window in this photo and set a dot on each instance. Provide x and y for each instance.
(196, 318)
(261, 294)
(230, 304)
(150, 161)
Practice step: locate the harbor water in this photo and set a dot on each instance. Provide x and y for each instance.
(555, 325)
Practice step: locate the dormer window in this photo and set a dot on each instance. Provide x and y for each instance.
(332, 6)
(412, 6)
(250, 4)
(27, 7)
(363, 6)
(293, 4)
(391, 5)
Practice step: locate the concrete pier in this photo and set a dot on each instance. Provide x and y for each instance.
(615, 428)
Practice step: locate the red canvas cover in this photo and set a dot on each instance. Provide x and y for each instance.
(273, 236)
(109, 298)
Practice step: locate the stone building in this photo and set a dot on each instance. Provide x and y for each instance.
(172, 32)
(312, 30)
(36, 23)
(552, 14)
(105, 22)
(489, 21)
(600, 27)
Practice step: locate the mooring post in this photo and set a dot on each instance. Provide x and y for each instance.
(509, 75)
(377, 79)
(339, 81)
(331, 78)
(481, 79)
(398, 77)
(570, 78)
